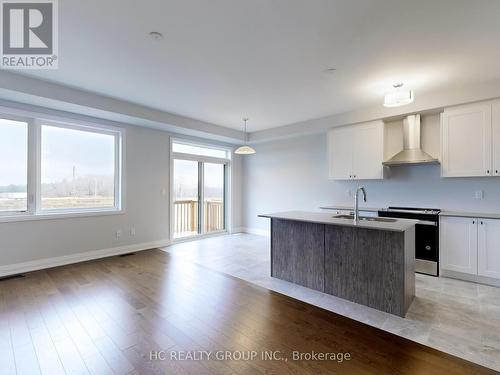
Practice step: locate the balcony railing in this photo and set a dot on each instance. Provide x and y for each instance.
(186, 216)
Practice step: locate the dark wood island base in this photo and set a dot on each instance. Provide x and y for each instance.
(372, 267)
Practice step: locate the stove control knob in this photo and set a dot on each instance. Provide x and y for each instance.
(428, 248)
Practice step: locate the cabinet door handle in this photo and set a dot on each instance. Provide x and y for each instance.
(488, 171)
(482, 223)
(473, 222)
(496, 171)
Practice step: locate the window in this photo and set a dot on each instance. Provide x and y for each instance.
(13, 166)
(77, 169)
(57, 168)
(199, 189)
(192, 149)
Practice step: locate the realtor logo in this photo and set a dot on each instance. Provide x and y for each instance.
(29, 34)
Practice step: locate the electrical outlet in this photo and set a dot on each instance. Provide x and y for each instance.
(132, 231)
(479, 194)
(118, 233)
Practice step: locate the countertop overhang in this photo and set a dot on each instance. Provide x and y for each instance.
(400, 225)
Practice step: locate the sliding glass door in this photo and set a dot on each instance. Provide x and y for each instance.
(186, 198)
(199, 191)
(213, 197)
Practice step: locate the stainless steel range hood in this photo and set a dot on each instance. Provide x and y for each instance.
(412, 153)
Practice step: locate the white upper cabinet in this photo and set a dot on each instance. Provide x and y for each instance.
(340, 153)
(368, 151)
(458, 244)
(488, 255)
(495, 119)
(356, 152)
(466, 141)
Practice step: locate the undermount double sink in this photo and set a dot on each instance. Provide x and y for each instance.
(366, 218)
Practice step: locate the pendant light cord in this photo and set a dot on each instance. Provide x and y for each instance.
(245, 127)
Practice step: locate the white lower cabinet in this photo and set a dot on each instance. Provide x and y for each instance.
(488, 250)
(471, 246)
(458, 237)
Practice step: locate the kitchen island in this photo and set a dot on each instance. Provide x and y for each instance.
(370, 262)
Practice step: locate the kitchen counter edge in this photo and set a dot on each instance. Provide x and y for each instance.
(400, 225)
(482, 215)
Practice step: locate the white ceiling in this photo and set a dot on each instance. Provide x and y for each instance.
(221, 60)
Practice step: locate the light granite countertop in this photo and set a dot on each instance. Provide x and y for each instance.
(399, 225)
(483, 215)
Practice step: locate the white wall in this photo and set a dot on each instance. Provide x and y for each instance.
(236, 193)
(146, 174)
(292, 174)
(146, 183)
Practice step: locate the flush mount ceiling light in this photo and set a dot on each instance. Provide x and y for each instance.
(155, 35)
(398, 97)
(245, 149)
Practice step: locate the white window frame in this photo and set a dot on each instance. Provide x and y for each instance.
(202, 145)
(34, 209)
(29, 182)
(227, 186)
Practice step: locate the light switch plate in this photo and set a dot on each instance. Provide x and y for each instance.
(479, 194)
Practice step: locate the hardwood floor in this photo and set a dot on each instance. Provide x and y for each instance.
(106, 316)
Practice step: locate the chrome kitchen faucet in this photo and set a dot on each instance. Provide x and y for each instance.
(356, 208)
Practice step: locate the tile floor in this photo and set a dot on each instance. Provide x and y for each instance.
(457, 317)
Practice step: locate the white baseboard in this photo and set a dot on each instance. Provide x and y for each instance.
(35, 265)
(256, 231)
(238, 230)
(472, 278)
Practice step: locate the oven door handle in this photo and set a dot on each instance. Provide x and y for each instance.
(427, 222)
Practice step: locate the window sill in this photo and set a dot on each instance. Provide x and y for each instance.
(58, 215)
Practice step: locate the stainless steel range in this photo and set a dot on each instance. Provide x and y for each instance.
(426, 235)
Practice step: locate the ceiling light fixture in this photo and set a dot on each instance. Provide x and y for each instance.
(245, 149)
(398, 97)
(155, 35)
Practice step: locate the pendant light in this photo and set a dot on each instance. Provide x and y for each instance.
(245, 149)
(398, 97)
